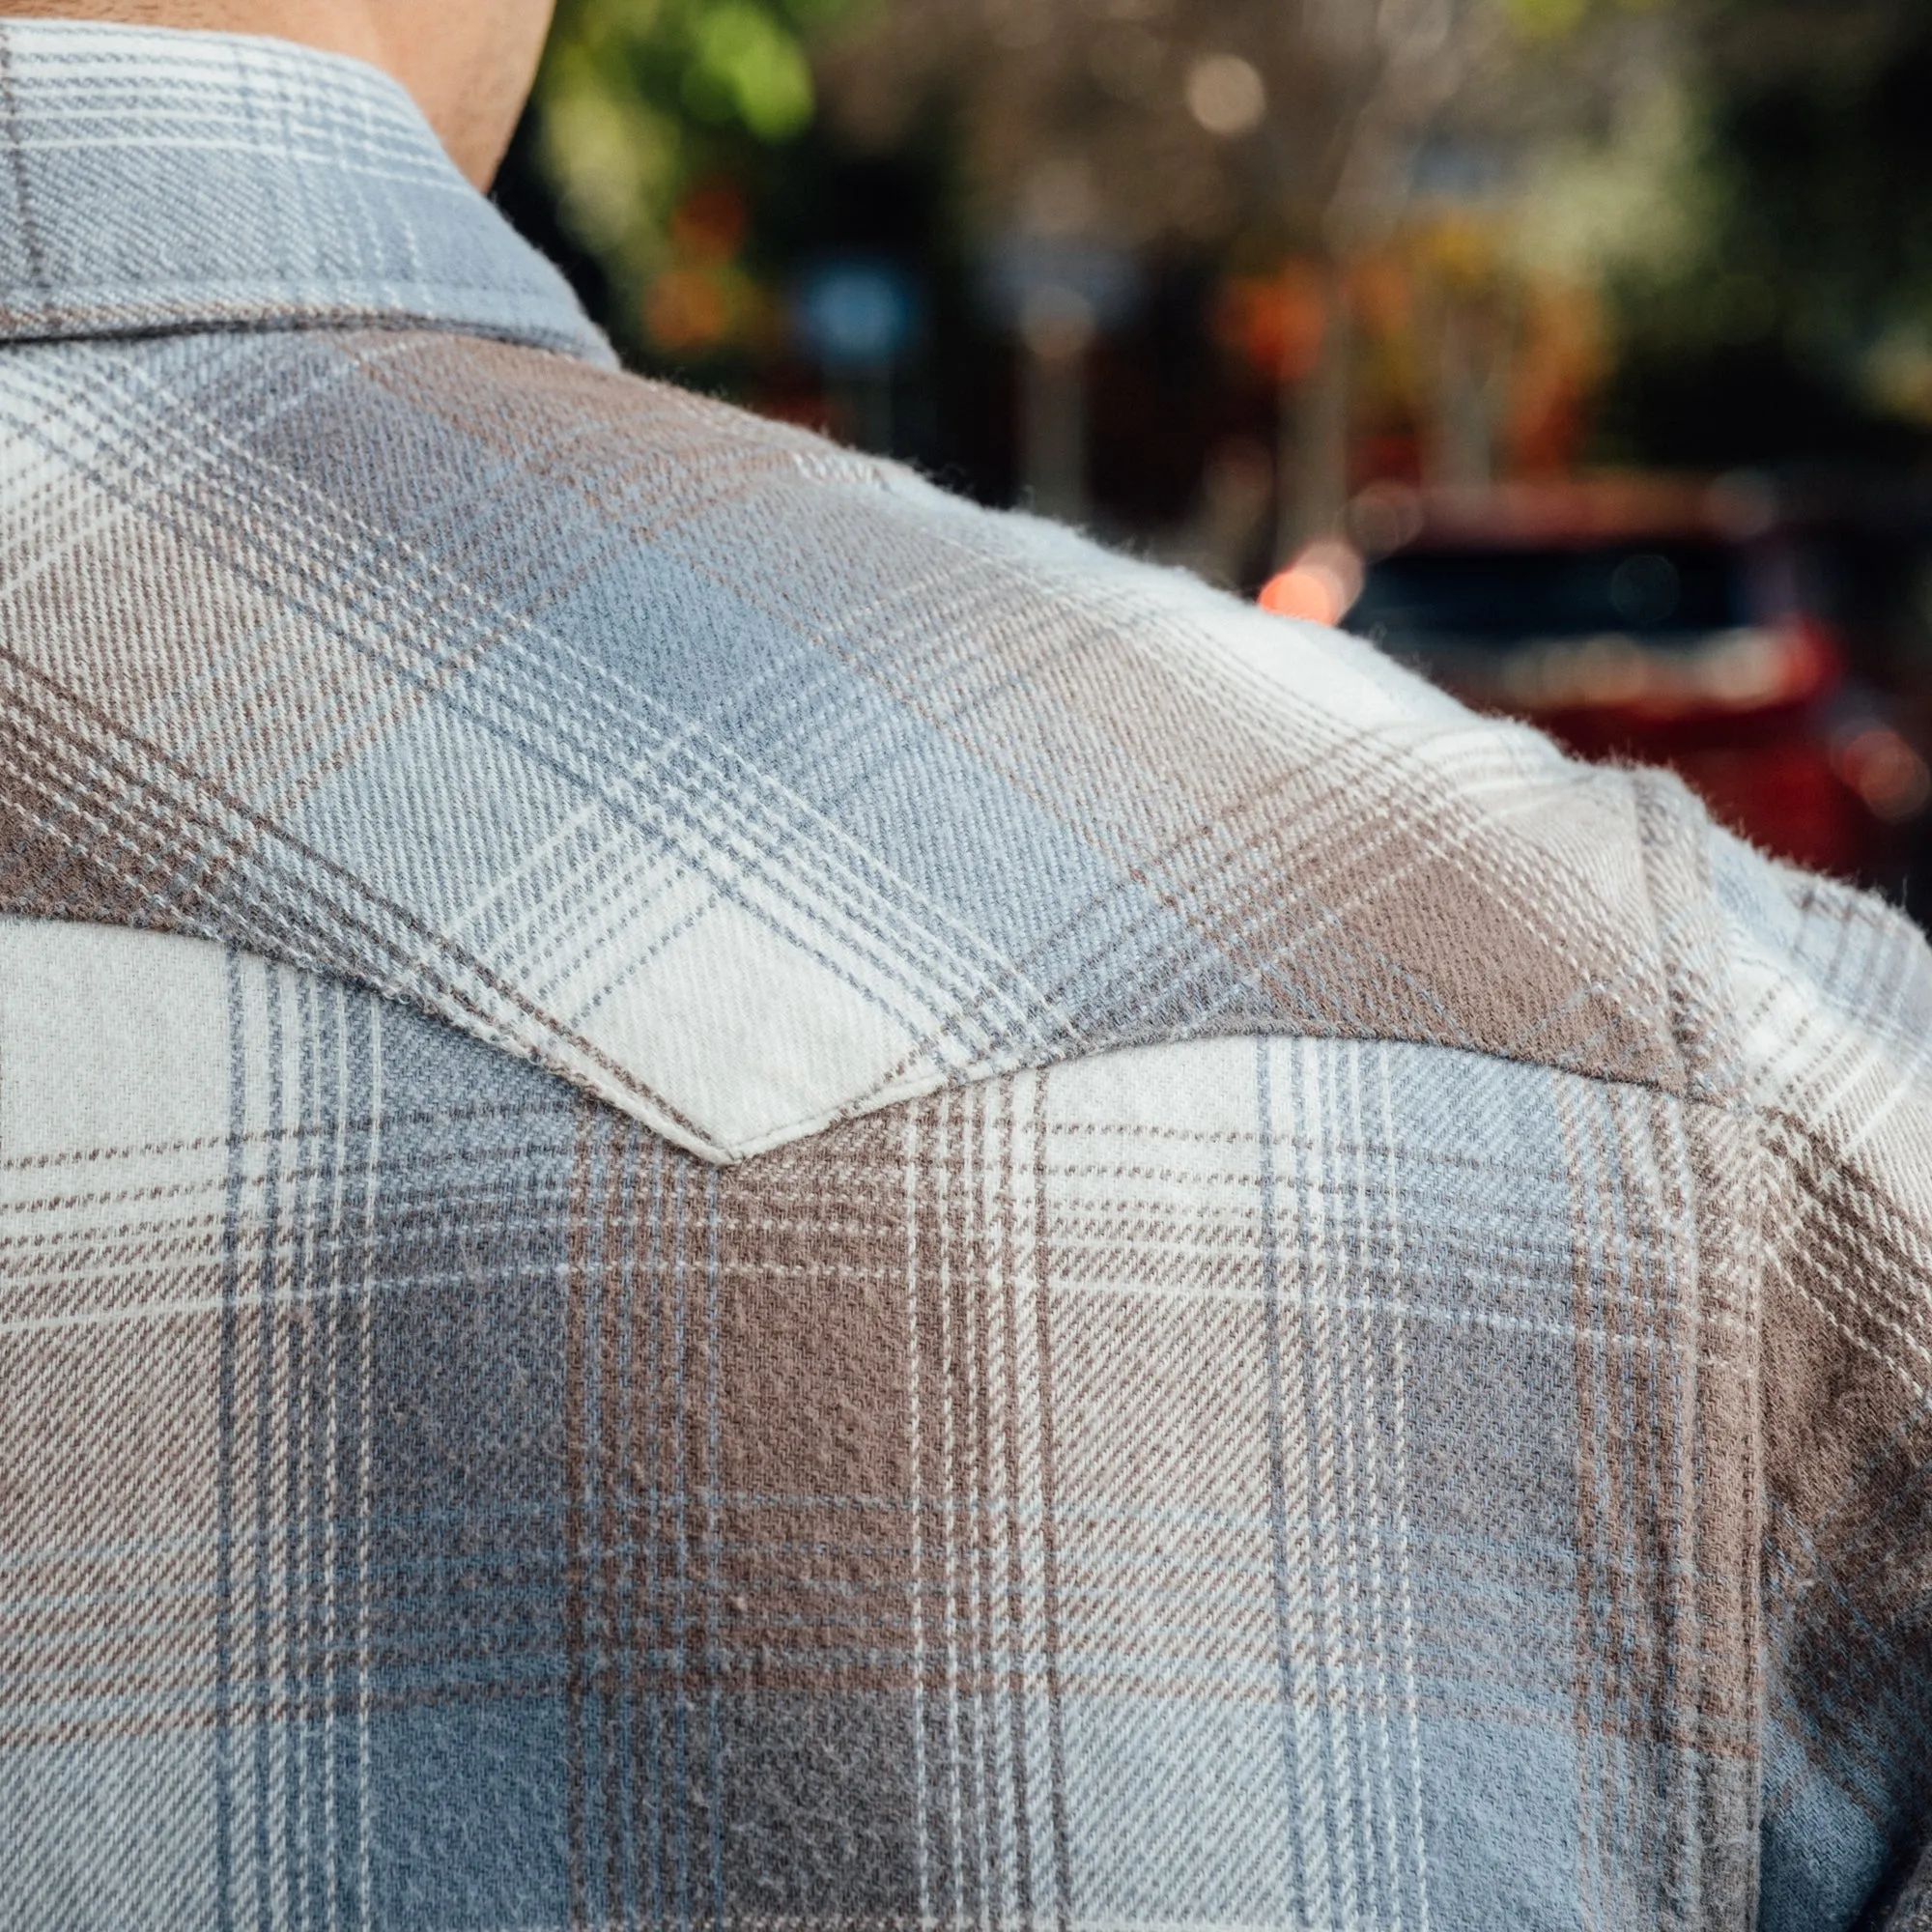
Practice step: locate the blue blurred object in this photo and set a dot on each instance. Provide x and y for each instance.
(857, 316)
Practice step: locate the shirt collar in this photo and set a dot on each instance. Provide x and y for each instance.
(153, 182)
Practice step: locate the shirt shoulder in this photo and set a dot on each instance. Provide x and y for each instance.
(747, 781)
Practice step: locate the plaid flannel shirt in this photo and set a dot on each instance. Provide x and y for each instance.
(731, 1196)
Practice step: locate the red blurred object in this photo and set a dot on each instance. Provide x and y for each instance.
(709, 225)
(1644, 620)
(1273, 321)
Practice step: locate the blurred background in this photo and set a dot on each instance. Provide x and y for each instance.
(1577, 351)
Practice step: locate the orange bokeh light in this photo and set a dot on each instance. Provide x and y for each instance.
(1320, 584)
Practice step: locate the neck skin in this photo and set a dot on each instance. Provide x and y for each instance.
(467, 63)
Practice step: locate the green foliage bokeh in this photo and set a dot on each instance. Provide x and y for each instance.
(637, 98)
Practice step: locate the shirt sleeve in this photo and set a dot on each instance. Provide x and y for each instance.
(1834, 1008)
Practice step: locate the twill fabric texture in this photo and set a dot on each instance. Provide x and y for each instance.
(731, 1196)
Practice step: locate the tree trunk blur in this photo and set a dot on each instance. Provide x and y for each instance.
(1053, 407)
(1461, 451)
(1315, 428)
